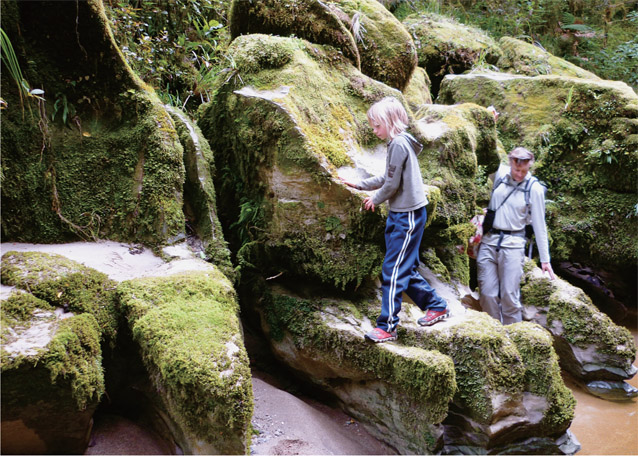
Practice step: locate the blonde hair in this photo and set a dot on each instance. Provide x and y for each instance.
(391, 113)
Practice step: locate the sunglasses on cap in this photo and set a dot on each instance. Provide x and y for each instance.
(520, 161)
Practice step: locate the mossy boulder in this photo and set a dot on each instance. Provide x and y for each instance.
(99, 157)
(65, 284)
(52, 377)
(200, 203)
(311, 20)
(524, 58)
(397, 392)
(584, 135)
(188, 331)
(460, 149)
(446, 46)
(363, 30)
(281, 126)
(467, 381)
(590, 346)
(387, 51)
(417, 92)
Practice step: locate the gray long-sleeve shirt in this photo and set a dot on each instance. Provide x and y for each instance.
(402, 184)
(514, 215)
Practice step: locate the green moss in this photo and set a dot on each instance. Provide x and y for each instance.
(114, 171)
(66, 284)
(449, 243)
(387, 51)
(528, 59)
(543, 375)
(74, 354)
(71, 359)
(479, 338)
(20, 306)
(426, 375)
(439, 37)
(188, 330)
(430, 259)
(581, 322)
(311, 20)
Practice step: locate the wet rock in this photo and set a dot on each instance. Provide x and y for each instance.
(612, 391)
(591, 347)
(594, 283)
(199, 192)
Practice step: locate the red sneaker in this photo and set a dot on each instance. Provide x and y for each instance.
(379, 335)
(433, 316)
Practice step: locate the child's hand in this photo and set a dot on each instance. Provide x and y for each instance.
(347, 183)
(368, 204)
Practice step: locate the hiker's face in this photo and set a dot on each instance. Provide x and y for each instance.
(520, 167)
(379, 129)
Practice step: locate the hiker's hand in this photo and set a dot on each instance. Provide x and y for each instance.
(347, 183)
(368, 204)
(547, 267)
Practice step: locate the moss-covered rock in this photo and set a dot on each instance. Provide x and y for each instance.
(507, 382)
(99, 157)
(590, 345)
(52, 377)
(446, 46)
(363, 30)
(417, 92)
(200, 206)
(524, 58)
(402, 392)
(311, 20)
(387, 51)
(188, 331)
(65, 284)
(582, 132)
(277, 185)
(460, 143)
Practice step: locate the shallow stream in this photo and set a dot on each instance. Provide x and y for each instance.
(605, 427)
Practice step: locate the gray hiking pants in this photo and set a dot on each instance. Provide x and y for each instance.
(499, 278)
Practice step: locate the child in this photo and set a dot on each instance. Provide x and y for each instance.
(402, 187)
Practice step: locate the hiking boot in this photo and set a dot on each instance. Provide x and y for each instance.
(379, 335)
(433, 316)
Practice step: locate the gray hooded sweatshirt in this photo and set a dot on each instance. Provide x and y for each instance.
(402, 185)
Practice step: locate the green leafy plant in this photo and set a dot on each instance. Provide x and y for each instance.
(64, 107)
(250, 216)
(10, 61)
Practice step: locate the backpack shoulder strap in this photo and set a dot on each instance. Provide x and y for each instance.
(528, 187)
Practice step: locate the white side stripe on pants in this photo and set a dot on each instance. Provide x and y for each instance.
(395, 269)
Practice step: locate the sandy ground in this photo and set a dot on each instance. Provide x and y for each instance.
(284, 424)
(296, 425)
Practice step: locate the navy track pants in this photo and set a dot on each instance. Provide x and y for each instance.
(403, 233)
